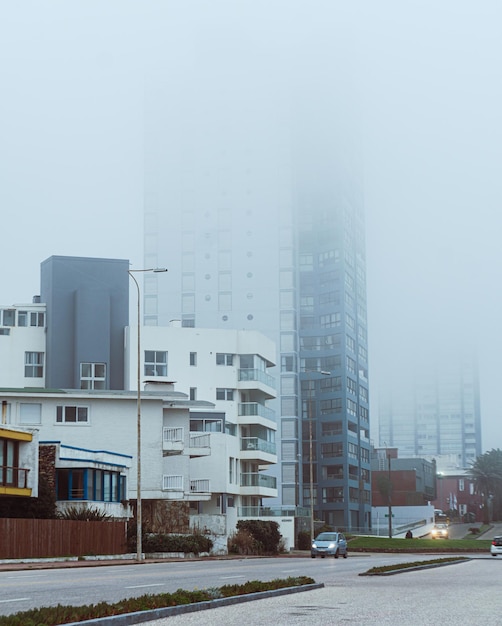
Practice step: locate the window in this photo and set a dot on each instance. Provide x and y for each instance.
(155, 363)
(37, 319)
(193, 393)
(224, 359)
(33, 364)
(9, 462)
(331, 320)
(288, 363)
(224, 394)
(90, 484)
(92, 376)
(22, 318)
(30, 413)
(461, 484)
(351, 386)
(330, 450)
(193, 358)
(4, 331)
(331, 406)
(72, 414)
(7, 317)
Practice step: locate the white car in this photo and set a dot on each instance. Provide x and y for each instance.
(496, 547)
(329, 544)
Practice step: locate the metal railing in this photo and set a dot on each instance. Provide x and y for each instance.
(200, 485)
(14, 476)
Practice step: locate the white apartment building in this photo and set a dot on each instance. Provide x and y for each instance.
(208, 436)
(227, 368)
(22, 345)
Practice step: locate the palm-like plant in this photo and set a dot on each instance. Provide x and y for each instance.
(487, 472)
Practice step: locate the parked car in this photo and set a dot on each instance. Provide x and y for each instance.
(330, 544)
(496, 547)
(440, 531)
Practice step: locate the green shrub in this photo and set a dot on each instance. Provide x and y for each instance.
(242, 542)
(195, 543)
(265, 533)
(303, 540)
(84, 514)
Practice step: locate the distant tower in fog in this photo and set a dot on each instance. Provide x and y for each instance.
(435, 412)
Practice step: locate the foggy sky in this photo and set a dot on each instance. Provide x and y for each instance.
(424, 82)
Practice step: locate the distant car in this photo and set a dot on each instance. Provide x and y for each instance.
(496, 547)
(329, 544)
(440, 531)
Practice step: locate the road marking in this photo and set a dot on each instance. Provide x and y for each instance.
(150, 585)
(229, 577)
(14, 600)
(24, 577)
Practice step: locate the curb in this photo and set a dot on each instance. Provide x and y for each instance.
(146, 616)
(415, 568)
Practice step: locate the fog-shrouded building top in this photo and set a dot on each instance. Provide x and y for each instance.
(258, 214)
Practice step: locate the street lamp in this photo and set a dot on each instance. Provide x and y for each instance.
(139, 546)
(311, 462)
(389, 490)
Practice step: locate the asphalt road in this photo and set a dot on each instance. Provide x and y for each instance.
(465, 593)
(25, 589)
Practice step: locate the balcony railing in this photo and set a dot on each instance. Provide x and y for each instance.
(257, 375)
(172, 483)
(200, 440)
(274, 511)
(201, 485)
(251, 409)
(254, 443)
(173, 434)
(14, 476)
(256, 479)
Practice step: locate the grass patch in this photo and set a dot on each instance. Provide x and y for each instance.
(54, 616)
(412, 565)
(384, 544)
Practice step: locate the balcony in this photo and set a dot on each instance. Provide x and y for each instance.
(172, 485)
(259, 380)
(255, 409)
(271, 511)
(253, 446)
(14, 481)
(200, 444)
(201, 485)
(173, 440)
(256, 483)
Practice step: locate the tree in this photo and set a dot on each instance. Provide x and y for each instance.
(487, 472)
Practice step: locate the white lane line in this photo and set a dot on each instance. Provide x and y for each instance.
(13, 600)
(24, 577)
(230, 577)
(140, 586)
(288, 571)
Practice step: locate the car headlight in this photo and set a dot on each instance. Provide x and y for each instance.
(331, 545)
(314, 545)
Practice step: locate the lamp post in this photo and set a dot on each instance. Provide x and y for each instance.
(311, 461)
(139, 542)
(389, 491)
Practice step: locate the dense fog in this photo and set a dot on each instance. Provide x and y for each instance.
(408, 91)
